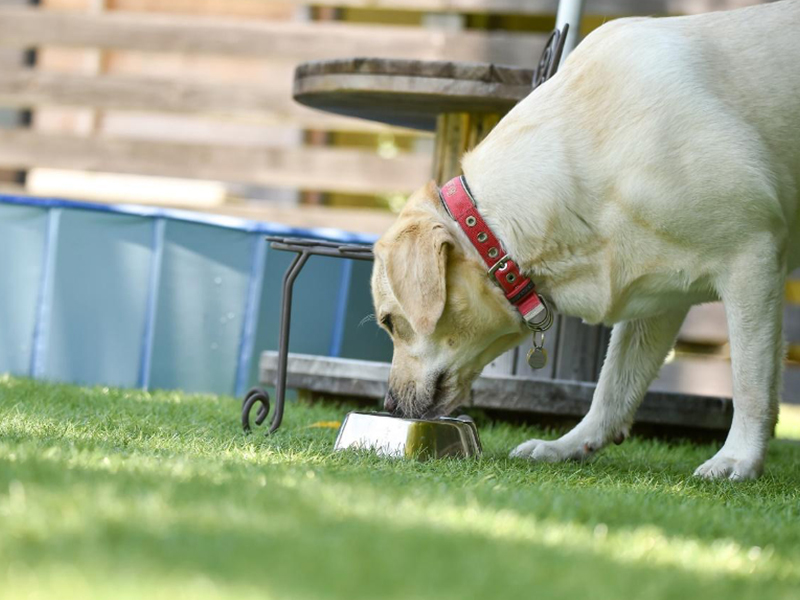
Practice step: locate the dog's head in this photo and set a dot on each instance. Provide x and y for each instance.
(445, 316)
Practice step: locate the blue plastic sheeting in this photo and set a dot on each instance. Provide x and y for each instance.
(362, 338)
(22, 239)
(314, 305)
(201, 300)
(156, 298)
(98, 298)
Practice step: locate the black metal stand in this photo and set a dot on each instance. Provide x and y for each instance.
(304, 248)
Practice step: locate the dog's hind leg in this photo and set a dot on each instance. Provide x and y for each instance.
(752, 292)
(635, 355)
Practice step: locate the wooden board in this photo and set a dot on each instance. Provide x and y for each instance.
(705, 324)
(409, 93)
(581, 349)
(256, 9)
(542, 7)
(239, 37)
(164, 83)
(318, 169)
(25, 88)
(366, 379)
(28, 87)
(175, 127)
(437, 69)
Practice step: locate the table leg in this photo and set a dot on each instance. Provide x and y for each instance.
(283, 343)
(257, 395)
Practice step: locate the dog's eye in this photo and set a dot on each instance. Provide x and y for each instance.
(387, 322)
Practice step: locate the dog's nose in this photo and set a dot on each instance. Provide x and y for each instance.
(390, 402)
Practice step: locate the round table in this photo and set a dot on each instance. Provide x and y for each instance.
(460, 101)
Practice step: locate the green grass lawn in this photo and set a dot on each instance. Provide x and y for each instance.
(121, 494)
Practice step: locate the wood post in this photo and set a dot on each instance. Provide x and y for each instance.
(456, 133)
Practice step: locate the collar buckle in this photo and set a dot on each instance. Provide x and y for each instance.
(500, 265)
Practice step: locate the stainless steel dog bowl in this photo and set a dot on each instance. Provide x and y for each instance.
(409, 438)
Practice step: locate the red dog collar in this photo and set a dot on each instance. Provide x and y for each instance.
(519, 290)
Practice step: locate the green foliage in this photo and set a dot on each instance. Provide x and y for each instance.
(123, 494)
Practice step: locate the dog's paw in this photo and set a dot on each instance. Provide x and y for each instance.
(553, 451)
(726, 466)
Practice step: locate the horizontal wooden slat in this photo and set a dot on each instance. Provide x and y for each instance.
(304, 168)
(520, 7)
(541, 7)
(273, 104)
(705, 324)
(191, 83)
(295, 40)
(192, 129)
(281, 9)
(240, 8)
(11, 59)
(29, 88)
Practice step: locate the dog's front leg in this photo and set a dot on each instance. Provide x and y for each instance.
(753, 298)
(635, 355)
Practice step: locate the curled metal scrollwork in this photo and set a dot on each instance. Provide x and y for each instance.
(253, 397)
(551, 56)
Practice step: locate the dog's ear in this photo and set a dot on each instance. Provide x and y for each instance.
(416, 268)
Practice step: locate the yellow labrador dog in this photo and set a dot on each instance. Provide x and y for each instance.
(660, 168)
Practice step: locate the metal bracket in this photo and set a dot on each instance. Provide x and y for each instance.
(551, 56)
(304, 249)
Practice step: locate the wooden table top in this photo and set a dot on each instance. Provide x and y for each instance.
(409, 93)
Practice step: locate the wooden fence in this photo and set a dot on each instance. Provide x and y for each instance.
(202, 88)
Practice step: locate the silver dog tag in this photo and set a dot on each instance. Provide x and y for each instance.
(537, 358)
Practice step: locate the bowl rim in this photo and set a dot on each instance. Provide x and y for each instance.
(437, 420)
